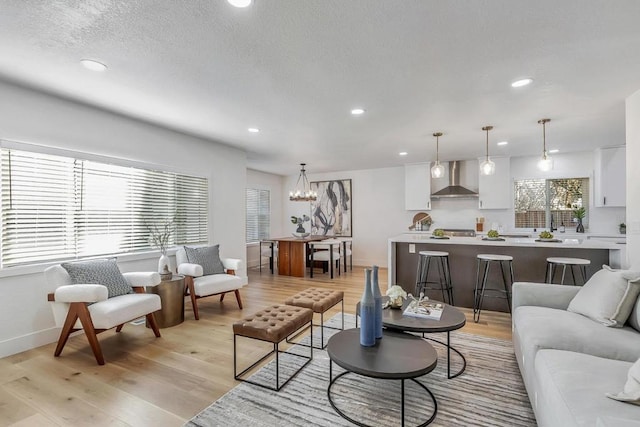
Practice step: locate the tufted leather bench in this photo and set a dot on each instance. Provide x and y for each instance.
(320, 301)
(272, 324)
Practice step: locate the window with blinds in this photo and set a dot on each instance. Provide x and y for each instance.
(539, 203)
(258, 214)
(58, 208)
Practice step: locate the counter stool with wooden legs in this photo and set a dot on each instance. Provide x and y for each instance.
(484, 262)
(579, 263)
(443, 283)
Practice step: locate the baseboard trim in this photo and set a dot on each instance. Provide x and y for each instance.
(27, 342)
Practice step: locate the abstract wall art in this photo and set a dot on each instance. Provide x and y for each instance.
(331, 212)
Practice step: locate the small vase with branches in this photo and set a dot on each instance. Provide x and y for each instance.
(160, 232)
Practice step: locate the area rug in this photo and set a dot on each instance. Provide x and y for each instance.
(489, 393)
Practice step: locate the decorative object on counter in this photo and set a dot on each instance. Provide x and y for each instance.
(493, 235)
(160, 231)
(480, 223)
(487, 167)
(299, 221)
(302, 191)
(562, 227)
(396, 296)
(437, 170)
(377, 296)
(623, 228)
(367, 313)
(421, 222)
(546, 236)
(579, 214)
(331, 213)
(545, 164)
(438, 233)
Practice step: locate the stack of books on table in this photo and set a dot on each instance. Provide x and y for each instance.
(425, 310)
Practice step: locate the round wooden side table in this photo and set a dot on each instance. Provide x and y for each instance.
(171, 293)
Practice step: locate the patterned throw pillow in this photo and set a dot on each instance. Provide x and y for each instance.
(208, 257)
(99, 272)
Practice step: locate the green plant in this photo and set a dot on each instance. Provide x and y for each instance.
(299, 220)
(546, 235)
(438, 232)
(493, 234)
(623, 225)
(579, 213)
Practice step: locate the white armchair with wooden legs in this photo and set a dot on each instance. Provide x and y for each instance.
(88, 306)
(199, 285)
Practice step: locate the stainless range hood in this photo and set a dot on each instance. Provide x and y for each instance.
(454, 189)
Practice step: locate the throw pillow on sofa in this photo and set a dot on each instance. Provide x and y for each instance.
(608, 296)
(99, 272)
(206, 256)
(631, 391)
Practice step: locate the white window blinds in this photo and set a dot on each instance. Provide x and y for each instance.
(258, 214)
(58, 208)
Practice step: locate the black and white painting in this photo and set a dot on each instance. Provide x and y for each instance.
(331, 212)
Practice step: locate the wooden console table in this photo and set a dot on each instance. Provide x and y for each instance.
(291, 254)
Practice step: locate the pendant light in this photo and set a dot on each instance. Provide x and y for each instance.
(437, 171)
(302, 193)
(487, 167)
(546, 162)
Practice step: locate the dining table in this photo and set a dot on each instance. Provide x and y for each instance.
(292, 260)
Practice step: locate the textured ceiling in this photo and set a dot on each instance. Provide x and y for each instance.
(295, 69)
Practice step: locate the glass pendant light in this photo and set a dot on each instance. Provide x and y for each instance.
(546, 162)
(302, 193)
(487, 167)
(437, 171)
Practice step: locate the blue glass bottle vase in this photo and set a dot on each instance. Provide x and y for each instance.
(367, 313)
(377, 296)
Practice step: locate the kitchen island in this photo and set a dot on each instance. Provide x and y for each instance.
(529, 260)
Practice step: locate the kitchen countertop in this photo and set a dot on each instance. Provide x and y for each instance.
(582, 243)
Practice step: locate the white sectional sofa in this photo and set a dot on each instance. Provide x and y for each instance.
(569, 362)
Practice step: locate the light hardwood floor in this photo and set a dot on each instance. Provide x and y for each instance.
(165, 381)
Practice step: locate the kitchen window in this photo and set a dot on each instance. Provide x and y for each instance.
(57, 208)
(547, 203)
(258, 214)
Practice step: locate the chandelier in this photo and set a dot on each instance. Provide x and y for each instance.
(302, 193)
(487, 167)
(437, 171)
(545, 164)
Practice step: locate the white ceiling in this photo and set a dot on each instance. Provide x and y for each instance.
(295, 68)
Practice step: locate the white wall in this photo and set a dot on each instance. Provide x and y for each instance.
(378, 203)
(633, 178)
(33, 117)
(273, 183)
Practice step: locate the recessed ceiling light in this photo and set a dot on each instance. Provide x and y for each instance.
(357, 111)
(253, 130)
(92, 65)
(402, 153)
(240, 3)
(554, 151)
(522, 82)
(503, 142)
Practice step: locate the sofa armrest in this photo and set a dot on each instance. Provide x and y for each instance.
(231, 264)
(543, 295)
(81, 293)
(194, 270)
(141, 279)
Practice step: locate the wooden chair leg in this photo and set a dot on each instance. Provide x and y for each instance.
(67, 328)
(153, 324)
(119, 327)
(222, 297)
(90, 332)
(237, 292)
(192, 293)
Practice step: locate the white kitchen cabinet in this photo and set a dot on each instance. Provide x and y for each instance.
(610, 185)
(417, 187)
(494, 191)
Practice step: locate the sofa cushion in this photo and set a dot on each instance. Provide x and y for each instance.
(121, 309)
(99, 272)
(572, 386)
(216, 283)
(206, 256)
(631, 390)
(608, 296)
(634, 318)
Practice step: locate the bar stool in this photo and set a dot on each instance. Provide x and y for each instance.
(271, 252)
(485, 260)
(579, 263)
(443, 283)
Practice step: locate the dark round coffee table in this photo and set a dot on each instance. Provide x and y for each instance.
(452, 319)
(397, 356)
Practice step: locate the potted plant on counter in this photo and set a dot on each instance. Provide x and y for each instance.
(623, 228)
(579, 214)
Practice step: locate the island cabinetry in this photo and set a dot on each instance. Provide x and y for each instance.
(610, 177)
(494, 191)
(417, 187)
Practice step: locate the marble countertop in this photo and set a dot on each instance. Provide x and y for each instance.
(581, 243)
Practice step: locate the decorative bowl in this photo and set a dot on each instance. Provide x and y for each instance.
(301, 235)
